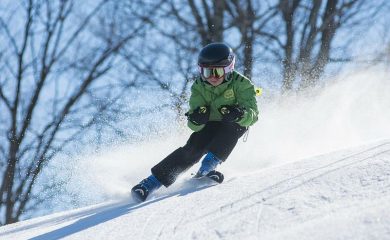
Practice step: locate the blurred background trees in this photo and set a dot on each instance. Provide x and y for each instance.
(71, 70)
(55, 84)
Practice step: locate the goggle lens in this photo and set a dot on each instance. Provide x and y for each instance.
(217, 72)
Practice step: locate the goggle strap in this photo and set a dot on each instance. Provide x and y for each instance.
(230, 67)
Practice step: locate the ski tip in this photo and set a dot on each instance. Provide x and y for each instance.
(216, 176)
(213, 175)
(138, 195)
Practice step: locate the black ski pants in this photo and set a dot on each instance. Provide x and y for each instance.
(218, 138)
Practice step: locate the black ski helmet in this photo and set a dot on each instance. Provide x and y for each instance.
(216, 55)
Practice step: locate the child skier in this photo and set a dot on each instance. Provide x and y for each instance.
(222, 107)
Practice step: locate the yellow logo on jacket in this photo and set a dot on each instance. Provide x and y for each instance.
(229, 93)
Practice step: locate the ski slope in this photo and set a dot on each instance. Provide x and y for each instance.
(338, 195)
(313, 167)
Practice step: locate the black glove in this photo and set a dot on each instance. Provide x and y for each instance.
(231, 113)
(199, 116)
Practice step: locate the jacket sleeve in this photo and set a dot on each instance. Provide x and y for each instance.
(246, 97)
(196, 100)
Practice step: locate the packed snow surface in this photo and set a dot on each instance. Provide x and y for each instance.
(338, 195)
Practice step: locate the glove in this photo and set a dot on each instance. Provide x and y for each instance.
(199, 116)
(231, 113)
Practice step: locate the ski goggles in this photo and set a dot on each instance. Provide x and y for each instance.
(216, 72)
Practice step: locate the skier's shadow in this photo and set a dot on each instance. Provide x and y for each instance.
(109, 214)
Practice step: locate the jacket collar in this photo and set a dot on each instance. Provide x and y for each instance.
(217, 89)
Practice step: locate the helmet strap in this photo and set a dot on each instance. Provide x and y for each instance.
(228, 76)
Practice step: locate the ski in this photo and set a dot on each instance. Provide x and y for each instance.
(139, 194)
(213, 175)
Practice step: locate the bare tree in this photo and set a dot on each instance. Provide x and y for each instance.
(187, 26)
(209, 19)
(203, 22)
(297, 35)
(303, 36)
(54, 86)
(380, 53)
(249, 17)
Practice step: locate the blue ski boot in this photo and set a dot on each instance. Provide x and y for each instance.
(209, 163)
(142, 190)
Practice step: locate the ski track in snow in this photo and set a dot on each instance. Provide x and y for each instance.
(340, 195)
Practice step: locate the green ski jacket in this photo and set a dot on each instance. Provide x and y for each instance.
(237, 90)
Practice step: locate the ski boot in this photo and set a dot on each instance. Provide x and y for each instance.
(209, 163)
(142, 190)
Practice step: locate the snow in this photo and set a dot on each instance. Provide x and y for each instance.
(338, 195)
(312, 168)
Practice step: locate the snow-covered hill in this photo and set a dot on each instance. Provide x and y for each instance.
(274, 188)
(339, 195)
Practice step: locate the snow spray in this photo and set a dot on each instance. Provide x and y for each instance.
(350, 110)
